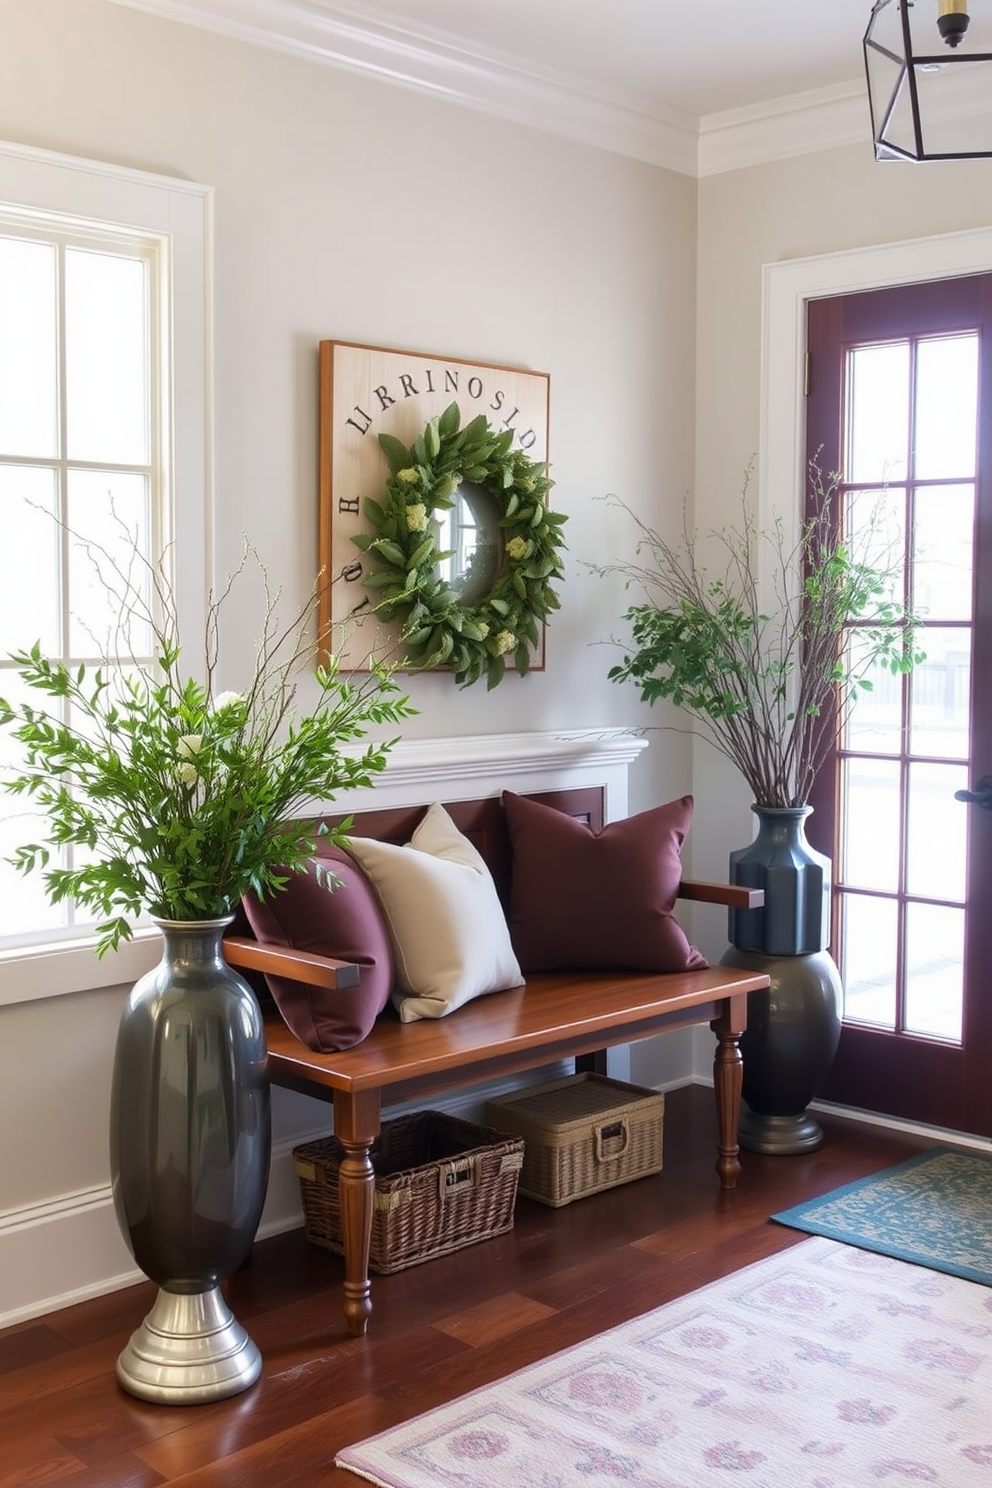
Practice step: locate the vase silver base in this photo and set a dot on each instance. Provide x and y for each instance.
(778, 1135)
(189, 1350)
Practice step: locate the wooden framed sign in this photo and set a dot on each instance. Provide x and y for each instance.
(368, 391)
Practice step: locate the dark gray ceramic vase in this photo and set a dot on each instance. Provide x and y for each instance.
(795, 920)
(793, 1028)
(189, 1156)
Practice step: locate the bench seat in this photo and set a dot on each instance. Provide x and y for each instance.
(555, 1015)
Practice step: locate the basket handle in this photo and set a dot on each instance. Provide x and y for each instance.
(460, 1175)
(608, 1133)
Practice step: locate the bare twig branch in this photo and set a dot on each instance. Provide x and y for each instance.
(770, 690)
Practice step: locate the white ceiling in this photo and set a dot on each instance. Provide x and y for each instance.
(698, 56)
(649, 78)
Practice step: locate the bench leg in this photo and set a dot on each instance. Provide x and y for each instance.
(356, 1126)
(728, 1079)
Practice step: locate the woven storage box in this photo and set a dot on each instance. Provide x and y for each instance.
(582, 1134)
(440, 1183)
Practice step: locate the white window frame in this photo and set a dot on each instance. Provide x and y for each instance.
(787, 287)
(39, 185)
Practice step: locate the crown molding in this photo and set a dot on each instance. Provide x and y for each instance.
(363, 41)
(801, 124)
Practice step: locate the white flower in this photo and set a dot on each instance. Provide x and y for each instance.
(517, 547)
(226, 700)
(416, 517)
(409, 476)
(505, 641)
(189, 746)
(186, 774)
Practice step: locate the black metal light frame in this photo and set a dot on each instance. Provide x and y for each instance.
(884, 99)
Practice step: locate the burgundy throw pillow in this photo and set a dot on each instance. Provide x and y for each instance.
(597, 900)
(345, 923)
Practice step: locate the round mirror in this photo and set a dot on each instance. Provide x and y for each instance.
(471, 533)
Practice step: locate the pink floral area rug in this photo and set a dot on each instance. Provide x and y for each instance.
(822, 1367)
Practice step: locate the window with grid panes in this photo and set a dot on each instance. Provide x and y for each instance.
(79, 464)
(103, 358)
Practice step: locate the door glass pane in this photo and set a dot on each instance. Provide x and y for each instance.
(878, 413)
(946, 407)
(875, 532)
(108, 511)
(28, 349)
(940, 694)
(874, 720)
(107, 363)
(943, 539)
(870, 842)
(934, 970)
(29, 568)
(870, 929)
(937, 831)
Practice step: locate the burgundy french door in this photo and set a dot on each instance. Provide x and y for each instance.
(900, 403)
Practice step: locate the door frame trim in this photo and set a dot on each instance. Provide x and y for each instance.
(786, 288)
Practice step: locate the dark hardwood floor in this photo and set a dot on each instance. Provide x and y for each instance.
(437, 1331)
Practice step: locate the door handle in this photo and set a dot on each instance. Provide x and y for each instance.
(980, 796)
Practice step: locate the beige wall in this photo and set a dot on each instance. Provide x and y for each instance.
(359, 211)
(354, 210)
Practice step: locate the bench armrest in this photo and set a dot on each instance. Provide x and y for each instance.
(296, 966)
(735, 896)
(304, 966)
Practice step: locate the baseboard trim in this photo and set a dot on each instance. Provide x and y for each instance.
(889, 1123)
(63, 1251)
(70, 1249)
(898, 1124)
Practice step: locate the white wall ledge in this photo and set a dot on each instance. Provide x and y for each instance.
(417, 772)
(486, 760)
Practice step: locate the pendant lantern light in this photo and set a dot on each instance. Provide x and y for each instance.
(929, 68)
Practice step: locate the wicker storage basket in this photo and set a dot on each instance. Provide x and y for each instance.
(440, 1183)
(582, 1134)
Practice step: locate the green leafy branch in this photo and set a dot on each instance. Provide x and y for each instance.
(174, 798)
(772, 689)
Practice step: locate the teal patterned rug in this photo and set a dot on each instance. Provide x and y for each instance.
(934, 1210)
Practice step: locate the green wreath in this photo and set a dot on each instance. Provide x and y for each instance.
(439, 630)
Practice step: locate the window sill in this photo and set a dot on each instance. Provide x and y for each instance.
(56, 969)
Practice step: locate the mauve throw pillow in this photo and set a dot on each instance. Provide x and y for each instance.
(344, 923)
(584, 900)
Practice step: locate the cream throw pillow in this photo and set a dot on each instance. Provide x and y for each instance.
(448, 930)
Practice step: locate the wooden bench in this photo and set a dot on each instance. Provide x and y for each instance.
(556, 1015)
